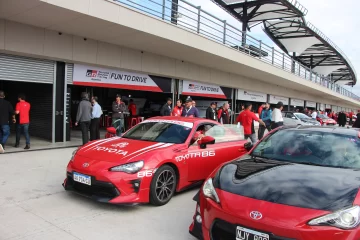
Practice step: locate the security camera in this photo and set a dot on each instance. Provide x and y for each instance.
(60, 33)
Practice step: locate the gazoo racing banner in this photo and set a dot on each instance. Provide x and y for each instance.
(251, 96)
(205, 90)
(110, 78)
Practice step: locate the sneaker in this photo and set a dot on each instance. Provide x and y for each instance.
(27, 147)
(1, 149)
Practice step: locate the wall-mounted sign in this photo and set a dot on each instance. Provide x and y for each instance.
(310, 104)
(251, 96)
(275, 99)
(327, 106)
(297, 102)
(109, 78)
(205, 90)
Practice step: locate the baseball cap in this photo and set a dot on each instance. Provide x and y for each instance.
(213, 103)
(118, 96)
(188, 99)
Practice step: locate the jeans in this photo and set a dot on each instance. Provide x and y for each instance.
(4, 134)
(252, 137)
(84, 126)
(95, 129)
(118, 124)
(25, 128)
(262, 130)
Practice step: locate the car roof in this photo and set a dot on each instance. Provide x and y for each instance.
(325, 129)
(182, 119)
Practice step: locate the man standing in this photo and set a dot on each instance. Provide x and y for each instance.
(177, 111)
(189, 110)
(22, 109)
(118, 110)
(261, 108)
(223, 114)
(314, 114)
(342, 119)
(266, 117)
(6, 110)
(351, 118)
(83, 116)
(277, 119)
(166, 109)
(132, 108)
(196, 109)
(211, 112)
(95, 120)
(247, 118)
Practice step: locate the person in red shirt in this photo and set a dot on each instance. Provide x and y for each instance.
(132, 108)
(178, 109)
(246, 118)
(260, 109)
(22, 109)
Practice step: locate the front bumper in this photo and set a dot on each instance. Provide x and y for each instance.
(218, 224)
(109, 187)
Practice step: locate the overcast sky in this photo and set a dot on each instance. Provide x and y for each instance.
(338, 20)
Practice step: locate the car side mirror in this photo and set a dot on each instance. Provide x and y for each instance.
(111, 130)
(248, 146)
(206, 140)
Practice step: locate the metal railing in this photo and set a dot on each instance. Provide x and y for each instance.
(298, 6)
(190, 17)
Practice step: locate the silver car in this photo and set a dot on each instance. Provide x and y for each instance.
(296, 118)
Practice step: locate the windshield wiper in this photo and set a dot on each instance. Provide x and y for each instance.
(258, 158)
(310, 163)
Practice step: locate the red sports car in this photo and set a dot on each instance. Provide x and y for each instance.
(297, 183)
(325, 120)
(153, 160)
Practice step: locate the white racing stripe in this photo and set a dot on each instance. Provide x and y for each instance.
(162, 146)
(143, 149)
(98, 143)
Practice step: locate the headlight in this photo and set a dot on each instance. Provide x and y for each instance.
(209, 191)
(344, 219)
(129, 167)
(74, 153)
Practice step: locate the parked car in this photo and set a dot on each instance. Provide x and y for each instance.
(297, 183)
(153, 160)
(325, 120)
(300, 119)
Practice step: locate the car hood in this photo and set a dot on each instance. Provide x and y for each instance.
(315, 187)
(310, 120)
(119, 149)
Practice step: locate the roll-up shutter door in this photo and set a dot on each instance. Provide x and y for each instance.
(16, 68)
(69, 73)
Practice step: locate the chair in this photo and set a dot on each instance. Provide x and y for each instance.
(133, 122)
(140, 119)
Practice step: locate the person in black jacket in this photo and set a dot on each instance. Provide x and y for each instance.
(357, 122)
(211, 112)
(342, 119)
(166, 109)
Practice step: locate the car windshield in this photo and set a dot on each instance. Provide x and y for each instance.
(301, 116)
(323, 116)
(311, 147)
(160, 131)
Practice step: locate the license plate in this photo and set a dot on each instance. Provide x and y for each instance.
(81, 178)
(248, 234)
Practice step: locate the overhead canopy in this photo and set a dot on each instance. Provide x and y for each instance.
(251, 12)
(285, 24)
(313, 49)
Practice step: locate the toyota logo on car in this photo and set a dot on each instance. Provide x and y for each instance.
(256, 215)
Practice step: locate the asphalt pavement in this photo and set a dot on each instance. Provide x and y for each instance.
(34, 206)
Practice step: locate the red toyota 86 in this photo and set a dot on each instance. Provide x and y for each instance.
(296, 184)
(153, 160)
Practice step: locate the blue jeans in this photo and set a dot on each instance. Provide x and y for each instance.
(4, 133)
(25, 128)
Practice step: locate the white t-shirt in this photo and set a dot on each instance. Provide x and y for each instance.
(313, 115)
(276, 115)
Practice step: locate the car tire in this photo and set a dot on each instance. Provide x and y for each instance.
(163, 185)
